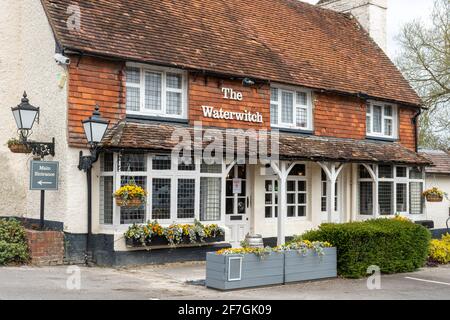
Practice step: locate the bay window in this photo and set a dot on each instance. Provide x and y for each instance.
(399, 190)
(290, 108)
(156, 91)
(381, 120)
(177, 192)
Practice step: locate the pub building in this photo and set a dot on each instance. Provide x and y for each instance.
(318, 79)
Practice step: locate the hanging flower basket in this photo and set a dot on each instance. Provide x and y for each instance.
(130, 196)
(18, 147)
(132, 203)
(434, 195)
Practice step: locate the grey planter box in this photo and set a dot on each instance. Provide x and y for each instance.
(311, 266)
(227, 272)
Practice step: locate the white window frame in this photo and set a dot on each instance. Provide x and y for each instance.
(296, 192)
(394, 118)
(164, 89)
(274, 194)
(308, 107)
(323, 193)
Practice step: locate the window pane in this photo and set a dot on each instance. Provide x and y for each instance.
(415, 198)
(273, 113)
(385, 193)
(302, 118)
(174, 81)
(368, 124)
(269, 187)
(298, 170)
(291, 186)
(211, 168)
(133, 215)
(301, 198)
(401, 172)
(210, 195)
(401, 197)
(366, 198)
(153, 91)
(302, 98)
(161, 162)
(268, 197)
(133, 99)
(291, 198)
(173, 103)
(287, 107)
(132, 162)
(388, 111)
(106, 200)
(364, 173)
(415, 173)
(385, 171)
(161, 199)
(133, 75)
(301, 186)
(291, 211)
(186, 198)
(268, 213)
(302, 211)
(388, 127)
(377, 118)
(107, 162)
(274, 94)
(186, 167)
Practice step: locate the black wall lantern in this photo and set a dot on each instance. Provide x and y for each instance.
(25, 115)
(95, 129)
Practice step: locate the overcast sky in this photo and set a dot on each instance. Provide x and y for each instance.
(400, 12)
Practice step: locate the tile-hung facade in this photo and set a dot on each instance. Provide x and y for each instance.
(344, 116)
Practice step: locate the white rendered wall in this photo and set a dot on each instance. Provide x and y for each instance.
(438, 211)
(27, 63)
(371, 14)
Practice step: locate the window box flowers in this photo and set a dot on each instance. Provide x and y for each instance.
(153, 234)
(17, 146)
(246, 267)
(130, 196)
(434, 195)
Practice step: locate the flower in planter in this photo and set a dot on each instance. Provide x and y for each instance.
(434, 194)
(130, 195)
(136, 233)
(174, 234)
(17, 146)
(191, 232)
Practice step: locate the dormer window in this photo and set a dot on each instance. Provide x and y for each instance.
(156, 91)
(381, 120)
(290, 108)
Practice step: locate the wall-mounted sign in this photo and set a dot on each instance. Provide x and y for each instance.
(44, 175)
(237, 185)
(230, 94)
(220, 114)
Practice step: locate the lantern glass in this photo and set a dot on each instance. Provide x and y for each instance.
(27, 118)
(94, 131)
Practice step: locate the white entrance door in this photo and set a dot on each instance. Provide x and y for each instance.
(237, 206)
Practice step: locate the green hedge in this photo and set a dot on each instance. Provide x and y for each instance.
(393, 245)
(13, 242)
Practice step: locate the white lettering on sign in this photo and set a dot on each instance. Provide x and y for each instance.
(230, 94)
(246, 116)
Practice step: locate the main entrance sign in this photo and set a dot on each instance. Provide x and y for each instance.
(44, 175)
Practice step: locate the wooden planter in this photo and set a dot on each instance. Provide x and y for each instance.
(133, 203)
(434, 198)
(238, 271)
(311, 266)
(19, 148)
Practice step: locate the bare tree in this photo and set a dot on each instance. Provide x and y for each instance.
(425, 62)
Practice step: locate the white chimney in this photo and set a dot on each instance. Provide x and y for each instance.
(371, 14)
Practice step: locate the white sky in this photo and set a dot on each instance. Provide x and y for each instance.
(399, 13)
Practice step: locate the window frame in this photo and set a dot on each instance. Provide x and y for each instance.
(394, 117)
(164, 89)
(308, 107)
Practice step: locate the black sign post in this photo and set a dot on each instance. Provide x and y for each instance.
(44, 176)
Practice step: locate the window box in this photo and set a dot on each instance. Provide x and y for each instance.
(157, 241)
(311, 266)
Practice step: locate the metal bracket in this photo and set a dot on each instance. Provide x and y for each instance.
(85, 163)
(41, 149)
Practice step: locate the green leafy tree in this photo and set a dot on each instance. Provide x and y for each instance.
(425, 62)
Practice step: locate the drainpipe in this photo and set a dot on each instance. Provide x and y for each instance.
(416, 130)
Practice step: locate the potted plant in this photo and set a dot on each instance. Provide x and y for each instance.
(16, 146)
(130, 196)
(434, 195)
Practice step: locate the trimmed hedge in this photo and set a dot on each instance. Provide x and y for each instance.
(393, 245)
(13, 242)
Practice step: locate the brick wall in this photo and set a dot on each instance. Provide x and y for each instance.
(208, 92)
(339, 116)
(406, 128)
(46, 247)
(94, 81)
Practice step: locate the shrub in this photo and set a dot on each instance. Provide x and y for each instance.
(13, 242)
(392, 244)
(440, 250)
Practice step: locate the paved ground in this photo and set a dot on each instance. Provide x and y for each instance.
(184, 281)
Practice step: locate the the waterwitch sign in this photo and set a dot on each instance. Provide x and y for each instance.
(44, 175)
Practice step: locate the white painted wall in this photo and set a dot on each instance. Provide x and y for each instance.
(26, 63)
(371, 14)
(438, 211)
